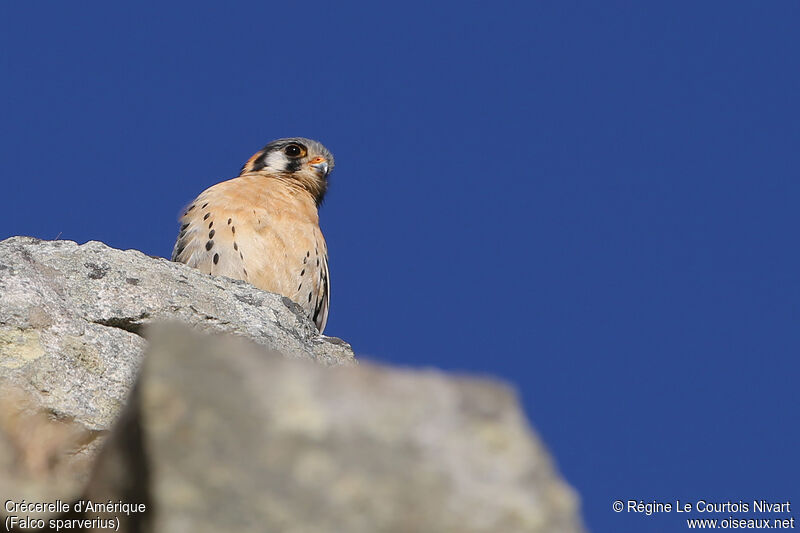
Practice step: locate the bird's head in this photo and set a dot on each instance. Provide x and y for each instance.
(295, 158)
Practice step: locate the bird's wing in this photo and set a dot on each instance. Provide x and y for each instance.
(207, 240)
(189, 244)
(324, 300)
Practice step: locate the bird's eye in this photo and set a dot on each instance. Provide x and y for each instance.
(294, 150)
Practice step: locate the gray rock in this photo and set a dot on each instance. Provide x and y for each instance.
(39, 459)
(219, 432)
(71, 319)
(222, 436)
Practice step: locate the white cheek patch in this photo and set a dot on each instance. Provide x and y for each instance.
(276, 161)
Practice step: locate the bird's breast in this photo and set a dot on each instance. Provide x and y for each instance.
(266, 236)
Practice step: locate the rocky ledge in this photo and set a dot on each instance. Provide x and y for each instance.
(241, 418)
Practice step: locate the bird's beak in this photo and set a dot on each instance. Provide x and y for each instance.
(320, 165)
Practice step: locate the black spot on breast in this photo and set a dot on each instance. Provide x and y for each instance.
(210, 224)
(317, 261)
(235, 246)
(241, 256)
(299, 286)
(245, 271)
(229, 221)
(216, 258)
(304, 260)
(184, 226)
(302, 272)
(309, 296)
(233, 229)
(204, 205)
(308, 253)
(192, 207)
(209, 244)
(211, 233)
(206, 216)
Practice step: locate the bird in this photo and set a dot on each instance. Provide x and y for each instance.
(263, 225)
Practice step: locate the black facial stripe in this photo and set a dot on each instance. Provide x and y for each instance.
(260, 163)
(293, 165)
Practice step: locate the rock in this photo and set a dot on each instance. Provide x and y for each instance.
(40, 457)
(71, 318)
(223, 436)
(247, 420)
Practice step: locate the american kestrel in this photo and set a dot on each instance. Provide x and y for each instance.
(263, 226)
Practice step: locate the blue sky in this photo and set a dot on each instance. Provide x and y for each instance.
(594, 201)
